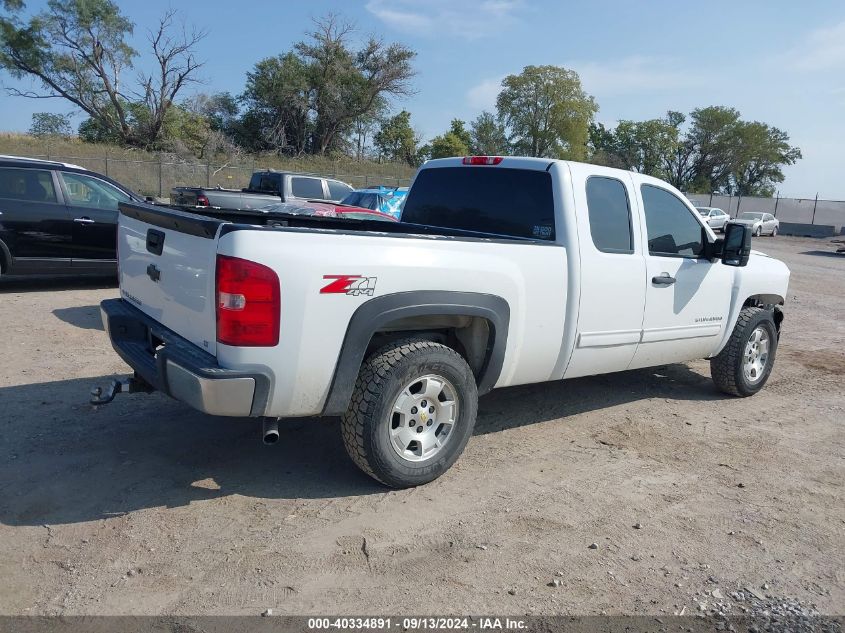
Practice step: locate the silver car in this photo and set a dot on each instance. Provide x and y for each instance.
(760, 223)
(714, 217)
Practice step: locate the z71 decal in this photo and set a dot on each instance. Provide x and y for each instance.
(349, 285)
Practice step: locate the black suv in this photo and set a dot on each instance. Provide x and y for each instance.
(57, 218)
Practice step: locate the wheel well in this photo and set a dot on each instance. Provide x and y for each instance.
(470, 336)
(771, 302)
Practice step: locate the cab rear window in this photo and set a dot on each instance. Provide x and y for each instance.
(511, 202)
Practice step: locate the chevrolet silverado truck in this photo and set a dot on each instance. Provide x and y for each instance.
(503, 271)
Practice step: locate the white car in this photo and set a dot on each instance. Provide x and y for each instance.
(760, 223)
(715, 218)
(503, 271)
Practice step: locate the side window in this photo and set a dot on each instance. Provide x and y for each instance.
(769, 217)
(610, 215)
(672, 231)
(85, 191)
(338, 190)
(311, 188)
(34, 185)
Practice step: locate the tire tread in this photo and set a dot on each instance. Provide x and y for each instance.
(368, 388)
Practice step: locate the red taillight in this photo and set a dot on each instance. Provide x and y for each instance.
(248, 303)
(202, 201)
(482, 160)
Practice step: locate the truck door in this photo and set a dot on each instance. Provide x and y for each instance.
(612, 288)
(687, 296)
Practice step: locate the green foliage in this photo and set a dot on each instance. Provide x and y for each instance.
(718, 152)
(488, 136)
(547, 112)
(77, 50)
(759, 153)
(455, 142)
(396, 139)
(642, 146)
(47, 125)
(312, 99)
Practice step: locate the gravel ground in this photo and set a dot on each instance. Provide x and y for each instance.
(694, 501)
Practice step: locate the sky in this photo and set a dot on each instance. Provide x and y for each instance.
(780, 62)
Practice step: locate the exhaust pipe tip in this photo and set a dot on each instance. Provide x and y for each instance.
(270, 434)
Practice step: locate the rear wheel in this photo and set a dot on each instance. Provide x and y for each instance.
(411, 414)
(744, 365)
(774, 231)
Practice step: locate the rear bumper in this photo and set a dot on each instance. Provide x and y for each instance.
(179, 368)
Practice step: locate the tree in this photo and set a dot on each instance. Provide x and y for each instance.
(396, 139)
(365, 125)
(488, 136)
(704, 158)
(277, 96)
(77, 51)
(455, 142)
(47, 124)
(642, 146)
(760, 151)
(315, 97)
(547, 112)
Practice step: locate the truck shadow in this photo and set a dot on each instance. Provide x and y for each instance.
(84, 317)
(65, 461)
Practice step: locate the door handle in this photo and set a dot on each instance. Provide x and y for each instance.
(664, 279)
(83, 220)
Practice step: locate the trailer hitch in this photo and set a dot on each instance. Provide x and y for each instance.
(130, 384)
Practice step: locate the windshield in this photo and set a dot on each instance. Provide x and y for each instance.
(361, 199)
(752, 216)
(703, 210)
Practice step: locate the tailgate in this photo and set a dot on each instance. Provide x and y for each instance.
(167, 264)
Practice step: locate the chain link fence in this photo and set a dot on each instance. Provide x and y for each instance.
(157, 178)
(811, 211)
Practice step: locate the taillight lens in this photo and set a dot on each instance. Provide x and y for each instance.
(202, 201)
(482, 160)
(248, 303)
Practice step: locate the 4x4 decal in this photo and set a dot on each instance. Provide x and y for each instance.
(349, 285)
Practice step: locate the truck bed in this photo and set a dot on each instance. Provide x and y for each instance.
(205, 221)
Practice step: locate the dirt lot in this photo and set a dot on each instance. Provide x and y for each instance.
(146, 507)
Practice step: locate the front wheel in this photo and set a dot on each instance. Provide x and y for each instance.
(411, 414)
(744, 365)
(758, 231)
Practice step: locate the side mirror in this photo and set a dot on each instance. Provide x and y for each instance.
(736, 248)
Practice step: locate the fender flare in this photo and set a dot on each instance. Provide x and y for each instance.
(375, 313)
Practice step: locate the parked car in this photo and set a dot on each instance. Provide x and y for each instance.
(385, 199)
(323, 209)
(715, 218)
(760, 223)
(264, 188)
(57, 218)
(504, 271)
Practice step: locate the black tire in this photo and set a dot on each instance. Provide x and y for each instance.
(758, 231)
(727, 367)
(774, 231)
(367, 422)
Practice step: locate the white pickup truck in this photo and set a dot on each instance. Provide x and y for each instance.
(503, 271)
